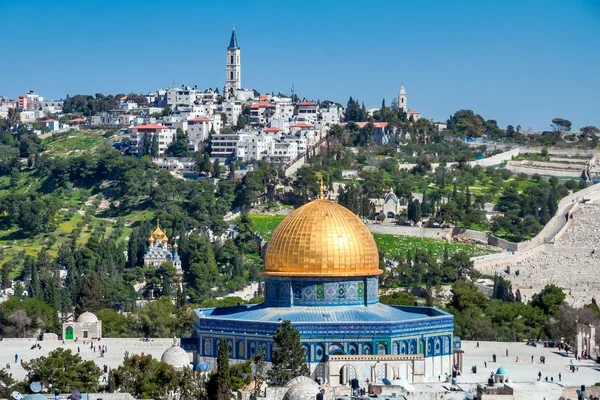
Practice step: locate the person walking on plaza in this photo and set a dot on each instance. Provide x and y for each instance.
(539, 375)
(506, 352)
(532, 358)
(559, 377)
(16, 358)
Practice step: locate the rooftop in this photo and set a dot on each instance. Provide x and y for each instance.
(311, 314)
(149, 126)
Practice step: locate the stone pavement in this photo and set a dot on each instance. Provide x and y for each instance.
(525, 371)
(116, 348)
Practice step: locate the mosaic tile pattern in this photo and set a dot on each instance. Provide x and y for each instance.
(315, 292)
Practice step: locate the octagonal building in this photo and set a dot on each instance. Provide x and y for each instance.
(321, 273)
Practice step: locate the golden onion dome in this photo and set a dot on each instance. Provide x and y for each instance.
(322, 238)
(159, 233)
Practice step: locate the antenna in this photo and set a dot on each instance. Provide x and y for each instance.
(233, 26)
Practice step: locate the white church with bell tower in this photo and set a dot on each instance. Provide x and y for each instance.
(233, 79)
(402, 99)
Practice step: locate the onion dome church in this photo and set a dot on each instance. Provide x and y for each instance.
(321, 273)
(160, 251)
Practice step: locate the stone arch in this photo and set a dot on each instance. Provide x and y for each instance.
(381, 348)
(421, 347)
(412, 346)
(438, 346)
(382, 371)
(347, 373)
(430, 346)
(404, 372)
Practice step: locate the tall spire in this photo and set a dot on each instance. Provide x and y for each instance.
(321, 190)
(233, 41)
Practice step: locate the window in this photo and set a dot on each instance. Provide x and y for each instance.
(85, 334)
(231, 58)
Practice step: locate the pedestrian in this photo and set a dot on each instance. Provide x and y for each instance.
(539, 375)
(552, 378)
(532, 358)
(78, 350)
(94, 348)
(477, 345)
(559, 377)
(63, 342)
(16, 358)
(546, 379)
(485, 363)
(506, 352)
(104, 377)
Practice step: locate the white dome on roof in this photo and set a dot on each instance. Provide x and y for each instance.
(302, 391)
(176, 357)
(87, 317)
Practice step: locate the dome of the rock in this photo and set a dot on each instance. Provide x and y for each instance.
(321, 239)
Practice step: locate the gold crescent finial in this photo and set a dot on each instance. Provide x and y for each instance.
(321, 191)
(158, 222)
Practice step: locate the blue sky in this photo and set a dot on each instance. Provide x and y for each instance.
(519, 62)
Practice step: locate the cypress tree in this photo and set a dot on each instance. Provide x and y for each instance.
(223, 377)
(289, 357)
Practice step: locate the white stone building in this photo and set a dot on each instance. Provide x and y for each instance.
(179, 164)
(261, 112)
(182, 96)
(198, 130)
(307, 111)
(87, 326)
(138, 134)
(284, 152)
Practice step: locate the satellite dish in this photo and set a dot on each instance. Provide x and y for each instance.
(16, 395)
(376, 389)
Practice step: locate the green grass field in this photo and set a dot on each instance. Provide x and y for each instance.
(397, 245)
(78, 141)
(266, 224)
(391, 245)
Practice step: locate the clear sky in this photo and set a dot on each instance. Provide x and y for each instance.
(519, 62)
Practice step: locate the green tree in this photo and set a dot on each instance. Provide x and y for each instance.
(259, 365)
(549, 299)
(289, 357)
(6, 384)
(64, 371)
(146, 378)
(219, 385)
(561, 125)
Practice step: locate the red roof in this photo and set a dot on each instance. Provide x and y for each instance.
(262, 104)
(149, 126)
(306, 103)
(76, 120)
(263, 96)
(302, 125)
(273, 129)
(200, 119)
(413, 112)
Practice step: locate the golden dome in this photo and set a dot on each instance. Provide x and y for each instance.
(322, 238)
(158, 234)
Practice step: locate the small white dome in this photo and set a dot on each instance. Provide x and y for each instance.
(176, 357)
(87, 317)
(302, 391)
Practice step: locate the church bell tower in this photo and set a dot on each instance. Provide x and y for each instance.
(233, 79)
(402, 99)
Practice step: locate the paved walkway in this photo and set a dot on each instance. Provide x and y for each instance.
(116, 349)
(525, 371)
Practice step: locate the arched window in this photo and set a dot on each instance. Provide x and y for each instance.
(241, 352)
(231, 58)
(231, 75)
